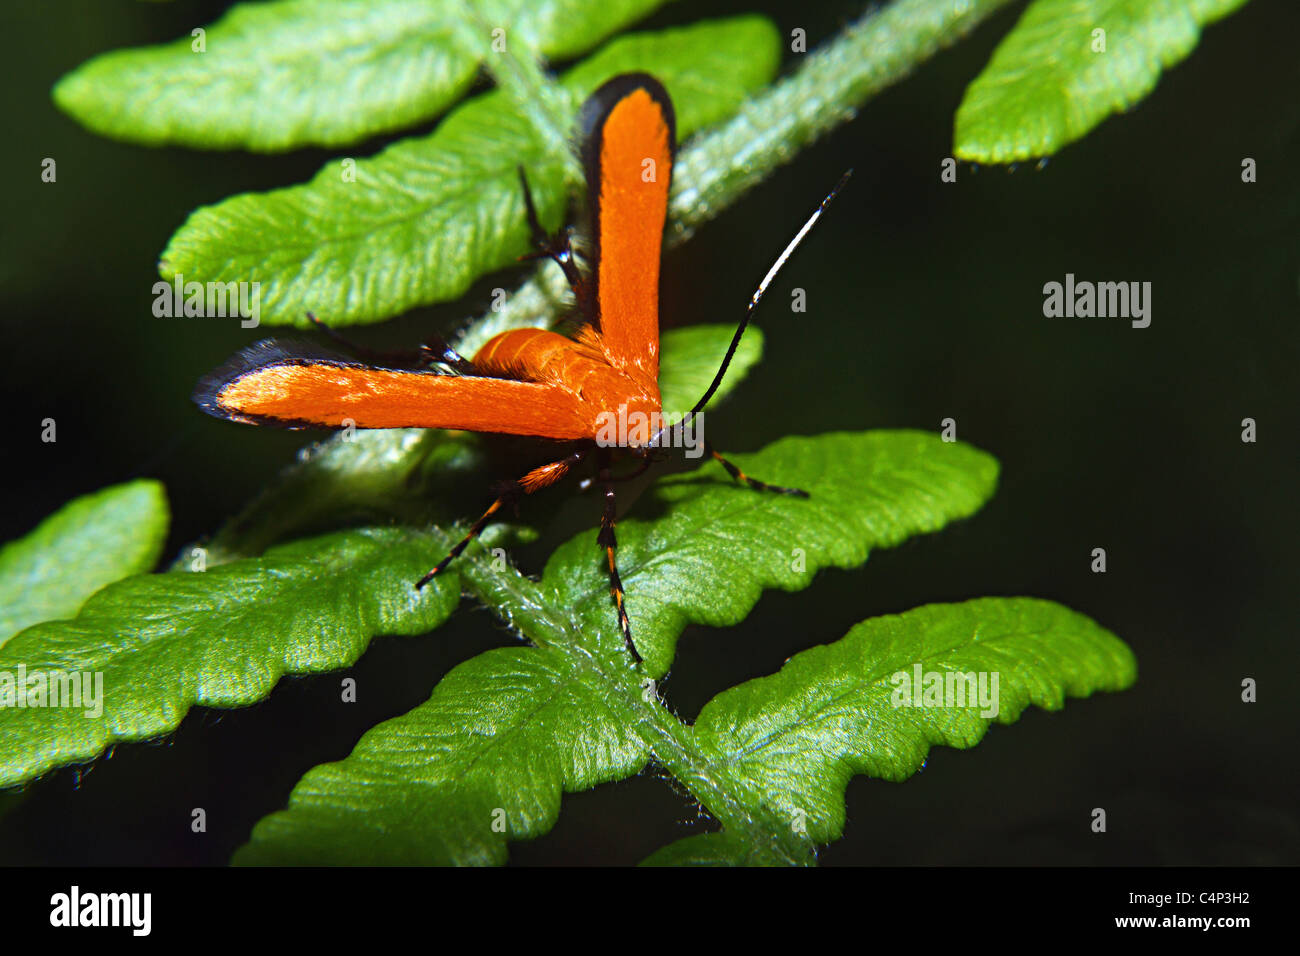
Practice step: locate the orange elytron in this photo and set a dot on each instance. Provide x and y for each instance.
(532, 382)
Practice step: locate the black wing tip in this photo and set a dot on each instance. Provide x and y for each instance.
(599, 104)
(595, 111)
(253, 358)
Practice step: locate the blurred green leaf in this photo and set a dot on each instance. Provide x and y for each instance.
(91, 541)
(1049, 82)
(724, 848)
(275, 76)
(426, 217)
(221, 638)
(369, 477)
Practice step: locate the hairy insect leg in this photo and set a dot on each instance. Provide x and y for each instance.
(435, 350)
(555, 247)
(736, 473)
(536, 479)
(607, 540)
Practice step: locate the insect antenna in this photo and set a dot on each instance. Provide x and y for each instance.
(753, 304)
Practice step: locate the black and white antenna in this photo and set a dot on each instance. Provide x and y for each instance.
(753, 304)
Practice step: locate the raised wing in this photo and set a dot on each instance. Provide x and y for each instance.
(629, 135)
(296, 385)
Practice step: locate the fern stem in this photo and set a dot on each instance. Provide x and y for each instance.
(879, 49)
(673, 747)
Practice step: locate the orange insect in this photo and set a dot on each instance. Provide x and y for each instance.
(532, 382)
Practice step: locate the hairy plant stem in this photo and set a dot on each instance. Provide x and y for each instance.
(668, 741)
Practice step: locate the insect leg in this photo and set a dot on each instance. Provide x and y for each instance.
(539, 477)
(735, 472)
(435, 350)
(554, 247)
(607, 540)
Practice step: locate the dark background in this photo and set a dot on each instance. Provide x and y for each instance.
(925, 302)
